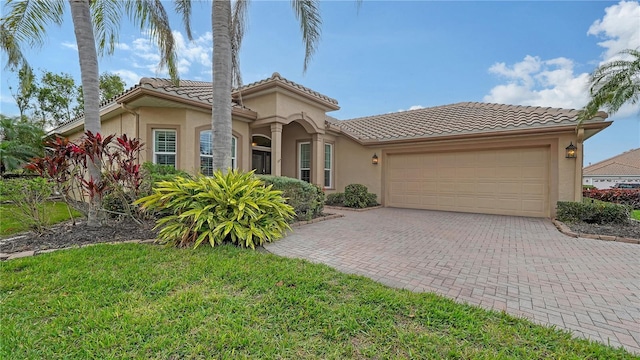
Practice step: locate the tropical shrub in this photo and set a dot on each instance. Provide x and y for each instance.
(153, 173)
(28, 197)
(629, 197)
(593, 213)
(67, 165)
(306, 199)
(335, 199)
(235, 207)
(358, 196)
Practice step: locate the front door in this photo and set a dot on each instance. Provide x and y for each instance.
(261, 162)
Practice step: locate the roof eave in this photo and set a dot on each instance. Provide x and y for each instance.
(475, 135)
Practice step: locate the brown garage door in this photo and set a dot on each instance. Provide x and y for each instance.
(504, 181)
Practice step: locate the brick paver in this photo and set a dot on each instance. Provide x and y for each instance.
(521, 265)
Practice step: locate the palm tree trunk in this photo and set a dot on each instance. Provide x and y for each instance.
(80, 13)
(221, 113)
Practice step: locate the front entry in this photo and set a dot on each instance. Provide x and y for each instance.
(261, 162)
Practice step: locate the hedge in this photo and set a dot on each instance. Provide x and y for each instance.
(629, 197)
(593, 213)
(306, 199)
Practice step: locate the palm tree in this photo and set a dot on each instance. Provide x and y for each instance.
(228, 30)
(614, 84)
(20, 140)
(26, 21)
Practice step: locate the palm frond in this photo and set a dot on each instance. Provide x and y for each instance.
(151, 14)
(614, 84)
(27, 19)
(238, 26)
(183, 7)
(106, 16)
(308, 14)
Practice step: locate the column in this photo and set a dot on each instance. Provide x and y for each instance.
(317, 160)
(276, 149)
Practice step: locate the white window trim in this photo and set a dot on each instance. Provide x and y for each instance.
(175, 153)
(234, 153)
(330, 169)
(300, 168)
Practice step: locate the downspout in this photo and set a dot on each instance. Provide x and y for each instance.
(579, 162)
(134, 113)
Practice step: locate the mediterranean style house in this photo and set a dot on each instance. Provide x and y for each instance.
(469, 157)
(620, 169)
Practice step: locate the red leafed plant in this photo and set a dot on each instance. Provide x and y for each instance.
(629, 197)
(66, 164)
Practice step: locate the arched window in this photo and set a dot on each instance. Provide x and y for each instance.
(206, 152)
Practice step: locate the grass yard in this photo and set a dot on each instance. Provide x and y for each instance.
(147, 302)
(13, 223)
(635, 214)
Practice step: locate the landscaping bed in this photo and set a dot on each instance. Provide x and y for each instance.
(69, 235)
(631, 230)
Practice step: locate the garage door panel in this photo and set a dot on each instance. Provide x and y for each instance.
(508, 181)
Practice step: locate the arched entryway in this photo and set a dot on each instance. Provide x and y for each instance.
(261, 154)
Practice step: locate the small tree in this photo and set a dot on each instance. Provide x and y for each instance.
(67, 165)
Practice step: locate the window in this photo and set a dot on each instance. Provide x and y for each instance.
(328, 164)
(304, 156)
(164, 147)
(206, 153)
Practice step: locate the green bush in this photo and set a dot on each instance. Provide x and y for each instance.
(588, 187)
(372, 199)
(235, 207)
(356, 196)
(335, 199)
(28, 197)
(306, 199)
(154, 173)
(593, 213)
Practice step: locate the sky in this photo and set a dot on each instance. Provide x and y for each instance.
(387, 56)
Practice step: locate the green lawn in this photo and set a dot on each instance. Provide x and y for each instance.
(11, 222)
(146, 302)
(635, 214)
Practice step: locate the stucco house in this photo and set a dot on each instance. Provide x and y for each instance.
(622, 168)
(469, 157)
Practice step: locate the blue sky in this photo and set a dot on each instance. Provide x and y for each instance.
(390, 56)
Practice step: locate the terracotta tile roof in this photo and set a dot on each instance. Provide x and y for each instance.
(276, 77)
(194, 90)
(627, 163)
(455, 119)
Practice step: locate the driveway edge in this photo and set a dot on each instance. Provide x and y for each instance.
(563, 228)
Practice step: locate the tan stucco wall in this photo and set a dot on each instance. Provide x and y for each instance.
(353, 166)
(292, 134)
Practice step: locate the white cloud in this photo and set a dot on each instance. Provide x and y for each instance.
(122, 46)
(70, 45)
(413, 107)
(620, 28)
(146, 56)
(539, 82)
(130, 78)
(7, 99)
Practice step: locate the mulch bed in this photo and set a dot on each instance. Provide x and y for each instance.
(631, 230)
(69, 235)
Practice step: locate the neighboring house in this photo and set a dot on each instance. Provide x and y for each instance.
(623, 168)
(470, 157)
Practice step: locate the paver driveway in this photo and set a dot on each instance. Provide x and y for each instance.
(521, 265)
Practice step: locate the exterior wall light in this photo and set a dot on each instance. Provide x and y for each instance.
(571, 151)
(374, 159)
